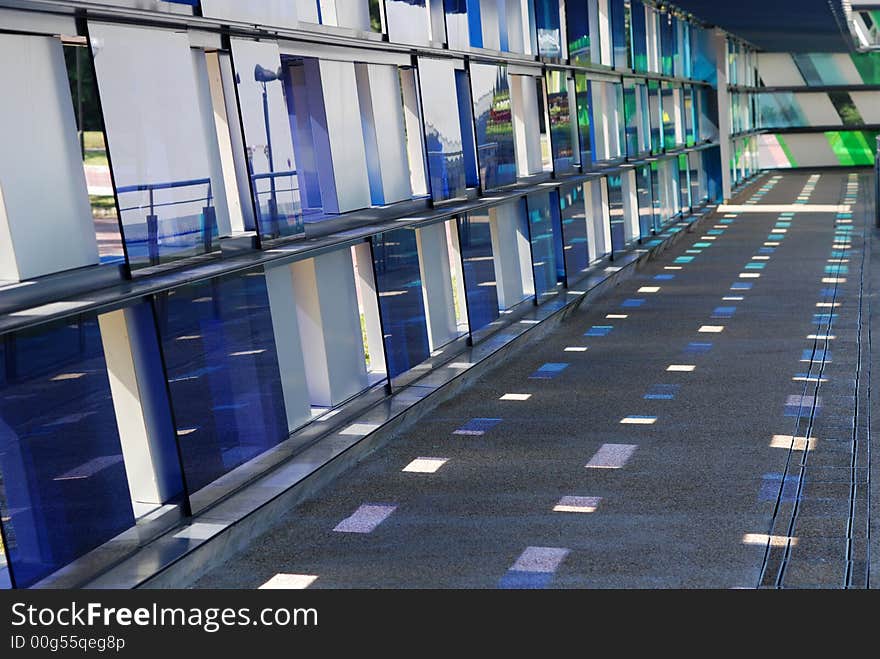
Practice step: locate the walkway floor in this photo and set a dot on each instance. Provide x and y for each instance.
(704, 425)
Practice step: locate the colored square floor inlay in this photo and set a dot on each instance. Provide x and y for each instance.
(662, 392)
(477, 426)
(633, 302)
(549, 370)
(698, 347)
(599, 330)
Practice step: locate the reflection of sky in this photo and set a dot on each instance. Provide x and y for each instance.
(439, 101)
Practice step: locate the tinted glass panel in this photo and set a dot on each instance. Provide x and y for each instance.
(615, 210)
(577, 23)
(547, 23)
(574, 230)
(446, 162)
(645, 201)
(64, 489)
(584, 119)
(638, 36)
(399, 283)
(494, 125)
(223, 373)
(475, 239)
(561, 128)
(546, 240)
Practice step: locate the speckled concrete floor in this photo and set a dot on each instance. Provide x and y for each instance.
(713, 494)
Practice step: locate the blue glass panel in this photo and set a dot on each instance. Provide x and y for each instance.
(494, 125)
(475, 241)
(697, 176)
(632, 117)
(685, 59)
(645, 196)
(457, 19)
(561, 128)
(638, 36)
(615, 210)
(266, 93)
(619, 121)
(668, 114)
(703, 55)
(707, 114)
(64, 489)
(684, 181)
(655, 112)
(475, 25)
(399, 283)
(712, 165)
(546, 238)
(620, 35)
(668, 44)
(465, 123)
(574, 229)
(577, 24)
(547, 23)
(583, 96)
(223, 374)
(689, 116)
(443, 134)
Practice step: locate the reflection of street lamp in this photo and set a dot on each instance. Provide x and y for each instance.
(263, 76)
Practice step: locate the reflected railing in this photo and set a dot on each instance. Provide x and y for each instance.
(208, 219)
(271, 219)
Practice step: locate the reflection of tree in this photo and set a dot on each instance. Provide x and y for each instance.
(495, 134)
(560, 124)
